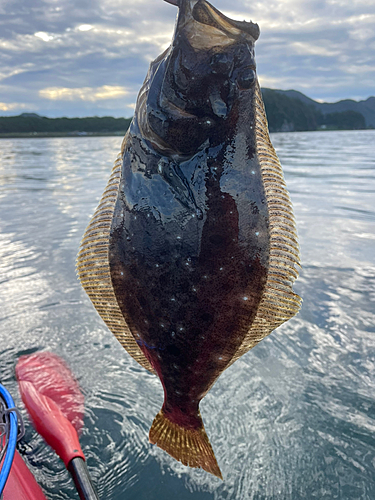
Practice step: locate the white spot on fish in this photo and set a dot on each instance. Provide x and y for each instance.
(253, 172)
(122, 274)
(257, 233)
(245, 298)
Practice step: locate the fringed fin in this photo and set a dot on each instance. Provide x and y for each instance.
(189, 446)
(93, 268)
(279, 302)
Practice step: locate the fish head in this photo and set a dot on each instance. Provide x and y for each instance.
(194, 85)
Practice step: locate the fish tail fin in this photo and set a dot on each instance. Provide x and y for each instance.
(189, 446)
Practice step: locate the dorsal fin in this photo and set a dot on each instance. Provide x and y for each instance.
(279, 303)
(93, 268)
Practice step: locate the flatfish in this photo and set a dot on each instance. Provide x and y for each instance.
(192, 252)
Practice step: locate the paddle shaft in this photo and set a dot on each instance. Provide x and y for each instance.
(78, 470)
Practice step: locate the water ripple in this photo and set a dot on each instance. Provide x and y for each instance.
(294, 418)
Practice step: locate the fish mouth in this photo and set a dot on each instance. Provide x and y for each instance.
(204, 13)
(190, 92)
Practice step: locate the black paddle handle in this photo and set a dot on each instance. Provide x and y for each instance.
(78, 469)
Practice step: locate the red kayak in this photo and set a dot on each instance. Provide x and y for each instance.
(21, 484)
(54, 402)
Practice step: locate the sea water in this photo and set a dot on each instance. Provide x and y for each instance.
(292, 419)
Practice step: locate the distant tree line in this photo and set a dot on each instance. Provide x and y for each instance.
(284, 113)
(31, 122)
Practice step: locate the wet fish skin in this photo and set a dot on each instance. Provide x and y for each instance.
(187, 285)
(190, 257)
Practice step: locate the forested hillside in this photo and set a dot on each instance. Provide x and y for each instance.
(287, 111)
(32, 123)
(288, 114)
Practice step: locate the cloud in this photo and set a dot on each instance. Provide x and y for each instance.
(85, 27)
(10, 106)
(44, 36)
(83, 93)
(322, 49)
(72, 49)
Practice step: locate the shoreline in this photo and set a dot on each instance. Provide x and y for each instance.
(41, 135)
(37, 135)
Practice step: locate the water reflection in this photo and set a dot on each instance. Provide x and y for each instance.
(294, 418)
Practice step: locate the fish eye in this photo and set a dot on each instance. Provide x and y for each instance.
(246, 78)
(221, 63)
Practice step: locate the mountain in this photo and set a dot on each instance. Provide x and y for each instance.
(366, 108)
(287, 114)
(287, 111)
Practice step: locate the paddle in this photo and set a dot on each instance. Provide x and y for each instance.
(55, 404)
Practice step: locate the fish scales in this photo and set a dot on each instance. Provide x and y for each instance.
(192, 252)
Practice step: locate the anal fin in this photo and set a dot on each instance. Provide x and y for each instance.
(94, 272)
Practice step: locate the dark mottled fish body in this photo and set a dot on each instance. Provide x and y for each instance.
(190, 257)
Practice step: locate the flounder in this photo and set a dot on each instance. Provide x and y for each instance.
(192, 252)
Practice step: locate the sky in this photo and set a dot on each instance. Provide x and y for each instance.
(90, 57)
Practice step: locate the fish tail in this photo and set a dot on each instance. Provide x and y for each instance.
(189, 446)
